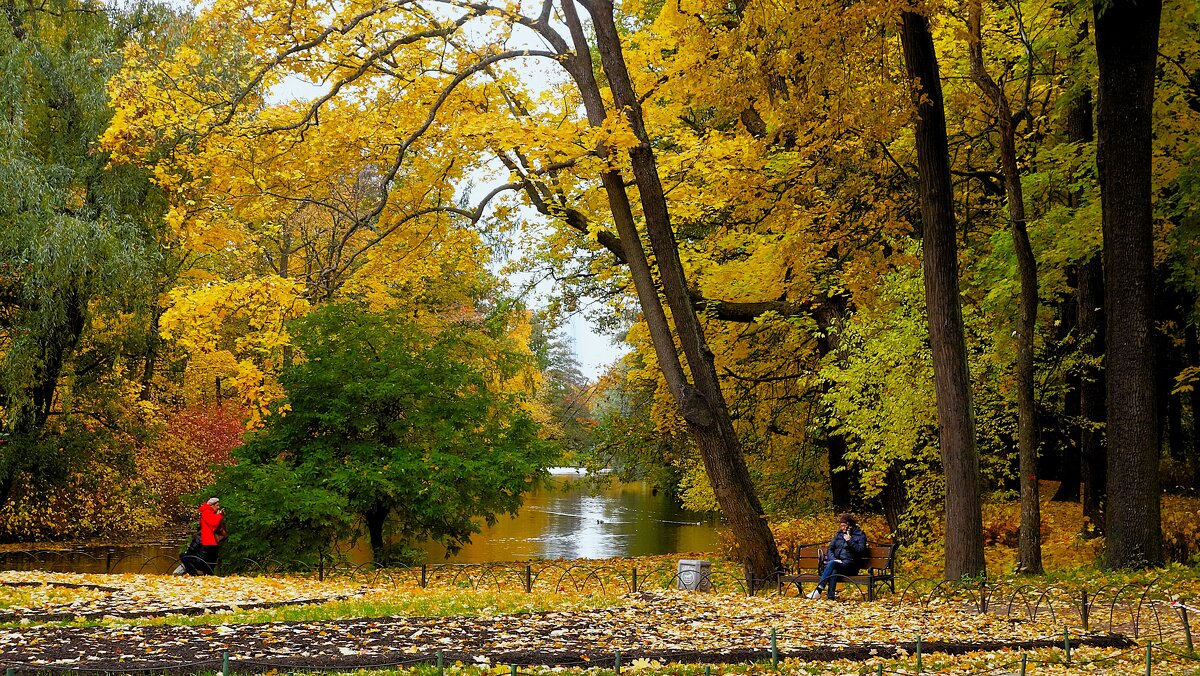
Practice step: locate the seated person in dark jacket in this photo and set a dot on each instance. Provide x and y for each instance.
(846, 553)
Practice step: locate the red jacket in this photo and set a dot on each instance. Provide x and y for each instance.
(209, 520)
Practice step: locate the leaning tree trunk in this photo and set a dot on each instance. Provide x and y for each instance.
(1126, 52)
(700, 400)
(1029, 548)
(952, 381)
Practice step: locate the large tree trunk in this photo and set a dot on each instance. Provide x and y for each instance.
(700, 400)
(1126, 51)
(952, 382)
(1029, 548)
(1091, 394)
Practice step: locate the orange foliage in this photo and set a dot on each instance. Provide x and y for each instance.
(213, 429)
(122, 484)
(1181, 529)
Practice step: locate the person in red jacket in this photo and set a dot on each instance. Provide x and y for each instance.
(212, 533)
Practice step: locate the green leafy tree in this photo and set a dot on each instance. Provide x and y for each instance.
(386, 428)
(77, 238)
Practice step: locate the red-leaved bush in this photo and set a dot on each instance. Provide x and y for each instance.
(213, 429)
(181, 459)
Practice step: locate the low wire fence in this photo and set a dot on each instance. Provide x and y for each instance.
(1156, 609)
(582, 576)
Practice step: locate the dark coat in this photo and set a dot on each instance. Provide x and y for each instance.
(852, 553)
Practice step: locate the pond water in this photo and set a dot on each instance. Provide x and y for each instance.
(569, 520)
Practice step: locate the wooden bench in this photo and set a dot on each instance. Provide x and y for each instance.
(809, 560)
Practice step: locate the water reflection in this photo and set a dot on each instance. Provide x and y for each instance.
(570, 520)
(153, 555)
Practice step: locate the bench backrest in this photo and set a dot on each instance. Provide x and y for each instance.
(807, 557)
(879, 557)
(812, 557)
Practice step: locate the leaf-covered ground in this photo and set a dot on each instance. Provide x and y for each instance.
(658, 626)
(42, 596)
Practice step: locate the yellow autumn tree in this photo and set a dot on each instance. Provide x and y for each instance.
(283, 206)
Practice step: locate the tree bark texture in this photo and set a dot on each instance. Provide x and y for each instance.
(1091, 393)
(1029, 548)
(1126, 51)
(952, 382)
(700, 400)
